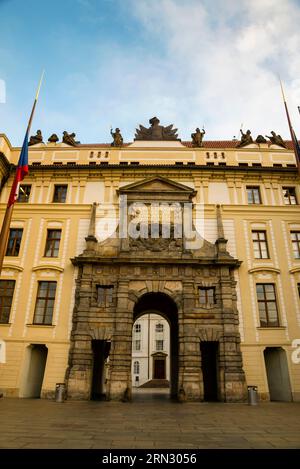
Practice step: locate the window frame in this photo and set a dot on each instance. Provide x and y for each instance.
(51, 243)
(136, 367)
(207, 304)
(159, 348)
(24, 194)
(159, 328)
(4, 319)
(295, 242)
(287, 190)
(15, 239)
(107, 295)
(46, 299)
(266, 301)
(56, 193)
(137, 328)
(137, 345)
(259, 242)
(252, 188)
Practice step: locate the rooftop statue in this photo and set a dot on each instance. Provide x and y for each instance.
(246, 138)
(260, 139)
(118, 139)
(197, 137)
(156, 131)
(69, 139)
(53, 138)
(38, 138)
(276, 139)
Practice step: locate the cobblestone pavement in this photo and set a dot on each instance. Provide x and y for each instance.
(152, 423)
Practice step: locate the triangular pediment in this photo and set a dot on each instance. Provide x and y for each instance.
(157, 185)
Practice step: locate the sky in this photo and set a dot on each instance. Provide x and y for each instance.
(120, 62)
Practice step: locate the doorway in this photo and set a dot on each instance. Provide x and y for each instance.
(277, 374)
(155, 344)
(101, 349)
(209, 360)
(35, 364)
(159, 368)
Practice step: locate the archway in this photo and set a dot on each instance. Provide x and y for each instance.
(162, 305)
(210, 369)
(35, 364)
(277, 374)
(101, 349)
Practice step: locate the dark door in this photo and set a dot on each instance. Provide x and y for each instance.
(159, 368)
(209, 356)
(277, 374)
(101, 350)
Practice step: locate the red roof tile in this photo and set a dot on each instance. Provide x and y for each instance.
(206, 144)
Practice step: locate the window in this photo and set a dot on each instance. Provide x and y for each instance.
(136, 368)
(24, 193)
(289, 195)
(295, 237)
(105, 295)
(253, 194)
(137, 345)
(159, 327)
(60, 193)
(52, 243)
(44, 303)
(137, 328)
(159, 344)
(6, 295)
(207, 295)
(260, 245)
(267, 305)
(14, 242)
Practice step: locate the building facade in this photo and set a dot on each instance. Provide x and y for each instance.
(77, 276)
(150, 350)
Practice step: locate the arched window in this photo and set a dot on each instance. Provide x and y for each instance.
(136, 368)
(137, 328)
(159, 327)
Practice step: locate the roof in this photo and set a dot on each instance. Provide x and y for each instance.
(206, 144)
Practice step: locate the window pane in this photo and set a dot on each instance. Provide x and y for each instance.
(24, 193)
(6, 297)
(45, 303)
(60, 193)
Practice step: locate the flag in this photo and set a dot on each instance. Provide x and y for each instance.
(295, 142)
(296, 147)
(21, 171)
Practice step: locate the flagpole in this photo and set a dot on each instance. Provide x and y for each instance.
(4, 235)
(293, 136)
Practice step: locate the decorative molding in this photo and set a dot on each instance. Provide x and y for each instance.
(264, 269)
(295, 270)
(47, 267)
(12, 266)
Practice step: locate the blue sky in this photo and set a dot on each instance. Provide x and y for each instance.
(120, 62)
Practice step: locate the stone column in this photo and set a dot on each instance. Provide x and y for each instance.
(119, 383)
(190, 378)
(79, 373)
(233, 386)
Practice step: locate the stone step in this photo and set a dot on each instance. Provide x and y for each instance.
(156, 383)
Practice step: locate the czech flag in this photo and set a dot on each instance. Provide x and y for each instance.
(21, 171)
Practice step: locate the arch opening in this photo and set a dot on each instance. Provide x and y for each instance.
(155, 333)
(277, 374)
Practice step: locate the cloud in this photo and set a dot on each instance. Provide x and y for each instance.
(222, 59)
(190, 62)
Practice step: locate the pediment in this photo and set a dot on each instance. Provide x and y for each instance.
(157, 187)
